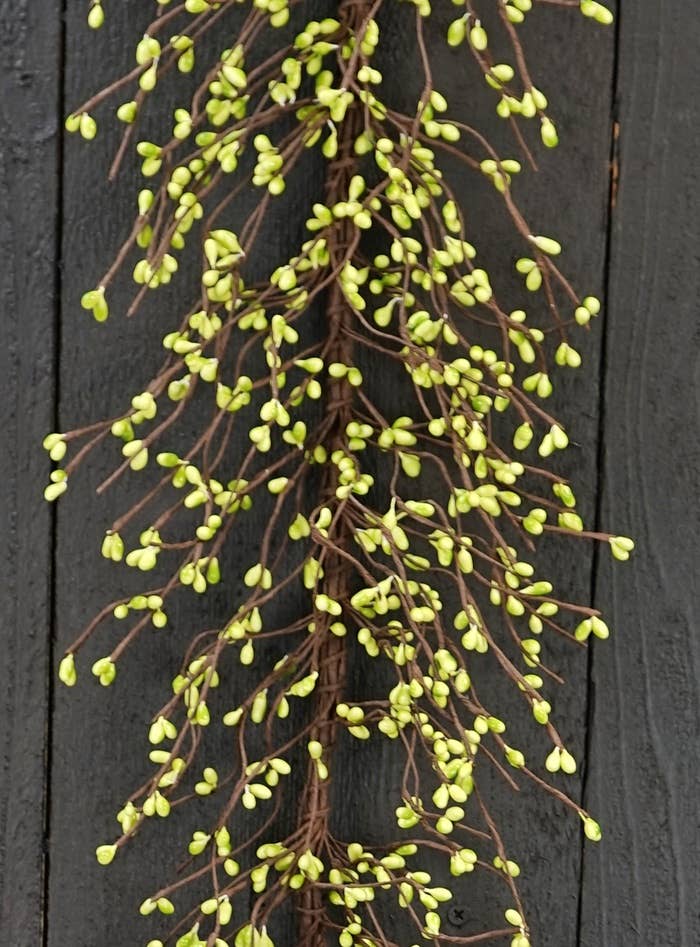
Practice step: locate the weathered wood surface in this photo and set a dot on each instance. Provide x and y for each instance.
(30, 70)
(638, 716)
(541, 834)
(640, 886)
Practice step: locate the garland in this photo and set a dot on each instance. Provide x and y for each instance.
(266, 377)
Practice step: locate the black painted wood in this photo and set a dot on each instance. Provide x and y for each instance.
(641, 726)
(30, 69)
(96, 729)
(640, 885)
(567, 197)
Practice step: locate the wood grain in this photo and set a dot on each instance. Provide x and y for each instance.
(640, 885)
(98, 732)
(30, 49)
(567, 198)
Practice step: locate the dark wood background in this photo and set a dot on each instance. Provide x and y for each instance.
(66, 759)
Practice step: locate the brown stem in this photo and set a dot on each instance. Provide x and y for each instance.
(331, 655)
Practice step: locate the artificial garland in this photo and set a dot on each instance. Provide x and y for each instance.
(388, 275)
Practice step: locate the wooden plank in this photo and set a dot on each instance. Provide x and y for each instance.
(95, 738)
(568, 198)
(30, 47)
(100, 747)
(638, 886)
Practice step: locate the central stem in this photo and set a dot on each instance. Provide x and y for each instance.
(330, 656)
